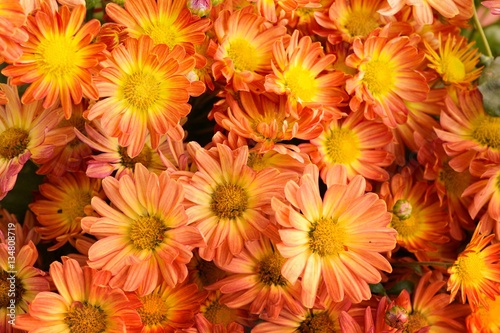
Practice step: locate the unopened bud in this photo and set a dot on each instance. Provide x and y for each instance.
(402, 209)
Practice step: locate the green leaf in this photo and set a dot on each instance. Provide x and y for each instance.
(400, 286)
(489, 86)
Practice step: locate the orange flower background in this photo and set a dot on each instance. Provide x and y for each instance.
(302, 166)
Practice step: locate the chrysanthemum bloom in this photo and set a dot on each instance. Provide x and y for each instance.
(264, 119)
(335, 241)
(144, 90)
(70, 153)
(449, 185)
(113, 159)
(144, 238)
(12, 18)
(354, 142)
(493, 5)
(325, 319)
(19, 273)
(112, 35)
(427, 310)
(167, 309)
(298, 73)
(167, 22)
(386, 77)
(85, 303)
(423, 9)
(256, 280)
(245, 48)
(65, 201)
(467, 129)
(22, 134)
(350, 19)
(417, 214)
(455, 61)
(476, 272)
(485, 319)
(58, 58)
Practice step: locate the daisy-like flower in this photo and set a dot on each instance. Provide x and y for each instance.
(228, 201)
(467, 129)
(298, 73)
(143, 239)
(85, 303)
(417, 214)
(113, 159)
(386, 77)
(167, 22)
(168, 309)
(476, 272)
(65, 201)
(455, 61)
(354, 142)
(264, 119)
(58, 58)
(12, 18)
(144, 90)
(335, 241)
(245, 48)
(485, 319)
(256, 280)
(22, 133)
(20, 282)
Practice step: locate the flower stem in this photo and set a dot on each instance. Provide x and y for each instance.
(479, 29)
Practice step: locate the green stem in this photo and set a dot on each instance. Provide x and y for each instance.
(422, 263)
(479, 29)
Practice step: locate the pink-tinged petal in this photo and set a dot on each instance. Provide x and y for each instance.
(292, 237)
(49, 306)
(294, 266)
(310, 280)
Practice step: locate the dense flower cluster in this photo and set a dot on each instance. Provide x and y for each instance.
(247, 166)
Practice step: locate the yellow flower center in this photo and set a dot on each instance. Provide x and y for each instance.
(217, 313)
(147, 232)
(153, 311)
(486, 131)
(243, 55)
(269, 270)
(341, 146)
(163, 33)
(327, 237)
(360, 23)
(145, 157)
(452, 69)
(13, 142)
(141, 90)
(378, 77)
(416, 321)
(73, 206)
(407, 227)
(301, 84)
(57, 56)
(454, 182)
(86, 318)
(5, 289)
(470, 268)
(317, 323)
(229, 201)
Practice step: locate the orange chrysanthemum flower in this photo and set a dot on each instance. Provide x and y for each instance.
(476, 272)
(228, 201)
(354, 142)
(485, 319)
(386, 78)
(12, 18)
(468, 130)
(335, 241)
(167, 309)
(417, 214)
(144, 90)
(22, 134)
(167, 22)
(298, 73)
(245, 48)
(58, 58)
(255, 279)
(85, 303)
(144, 238)
(455, 61)
(65, 201)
